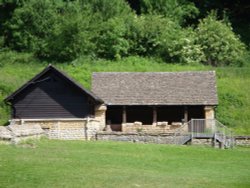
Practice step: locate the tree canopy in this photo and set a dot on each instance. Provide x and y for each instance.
(179, 31)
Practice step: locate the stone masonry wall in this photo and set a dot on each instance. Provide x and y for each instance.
(242, 140)
(100, 115)
(159, 127)
(209, 112)
(67, 129)
(136, 137)
(16, 133)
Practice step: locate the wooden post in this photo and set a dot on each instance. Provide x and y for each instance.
(154, 115)
(185, 114)
(124, 115)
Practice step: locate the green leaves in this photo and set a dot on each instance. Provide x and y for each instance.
(66, 30)
(219, 43)
(111, 42)
(178, 10)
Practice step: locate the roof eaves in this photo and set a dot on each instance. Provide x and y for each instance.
(11, 96)
(51, 67)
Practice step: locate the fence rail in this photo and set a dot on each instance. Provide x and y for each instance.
(204, 129)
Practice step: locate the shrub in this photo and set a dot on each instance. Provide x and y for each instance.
(158, 36)
(30, 24)
(143, 34)
(178, 10)
(178, 45)
(107, 9)
(111, 41)
(218, 41)
(70, 39)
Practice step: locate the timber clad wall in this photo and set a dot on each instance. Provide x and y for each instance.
(52, 97)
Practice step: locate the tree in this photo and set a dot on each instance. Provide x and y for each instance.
(218, 41)
(177, 10)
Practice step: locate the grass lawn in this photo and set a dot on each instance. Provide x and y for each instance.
(54, 163)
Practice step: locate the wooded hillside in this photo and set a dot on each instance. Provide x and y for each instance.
(82, 36)
(175, 30)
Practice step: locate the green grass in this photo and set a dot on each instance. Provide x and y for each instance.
(108, 164)
(233, 82)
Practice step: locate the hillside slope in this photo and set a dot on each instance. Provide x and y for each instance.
(233, 82)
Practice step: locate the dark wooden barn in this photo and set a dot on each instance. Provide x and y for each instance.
(52, 94)
(156, 97)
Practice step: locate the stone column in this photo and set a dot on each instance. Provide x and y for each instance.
(100, 115)
(209, 116)
(209, 112)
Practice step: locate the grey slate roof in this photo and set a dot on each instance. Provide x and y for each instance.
(156, 88)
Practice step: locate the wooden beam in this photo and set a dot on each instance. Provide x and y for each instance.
(154, 115)
(185, 114)
(124, 114)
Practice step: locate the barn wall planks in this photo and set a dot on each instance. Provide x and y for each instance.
(52, 97)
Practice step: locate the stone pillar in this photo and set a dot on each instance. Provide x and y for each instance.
(154, 116)
(209, 116)
(100, 115)
(209, 112)
(124, 115)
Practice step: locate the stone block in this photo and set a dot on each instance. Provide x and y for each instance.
(25, 130)
(137, 123)
(5, 134)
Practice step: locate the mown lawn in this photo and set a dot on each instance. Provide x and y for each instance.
(51, 163)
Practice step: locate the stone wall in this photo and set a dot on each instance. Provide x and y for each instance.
(242, 140)
(159, 127)
(17, 133)
(209, 112)
(136, 137)
(100, 115)
(206, 142)
(67, 129)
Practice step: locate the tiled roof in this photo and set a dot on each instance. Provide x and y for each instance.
(156, 88)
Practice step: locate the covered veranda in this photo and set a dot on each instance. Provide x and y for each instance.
(153, 115)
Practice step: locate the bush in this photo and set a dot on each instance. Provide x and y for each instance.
(111, 41)
(218, 42)
(178, 45)
(65, 30)
(107, 9)
(158, 36)
(30, 24)
(178, 10)
(144, 32)
(71, 38)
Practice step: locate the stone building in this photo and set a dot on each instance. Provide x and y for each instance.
(125, 102)
(155, 100)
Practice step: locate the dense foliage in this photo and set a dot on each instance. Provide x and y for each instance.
(218, 42)
(65, 30)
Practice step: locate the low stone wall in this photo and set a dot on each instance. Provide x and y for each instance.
(242, 140)
(159, 127)
(67, 129)
(5, 135)
(205, 142)
(162, 138)
(17, 133)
